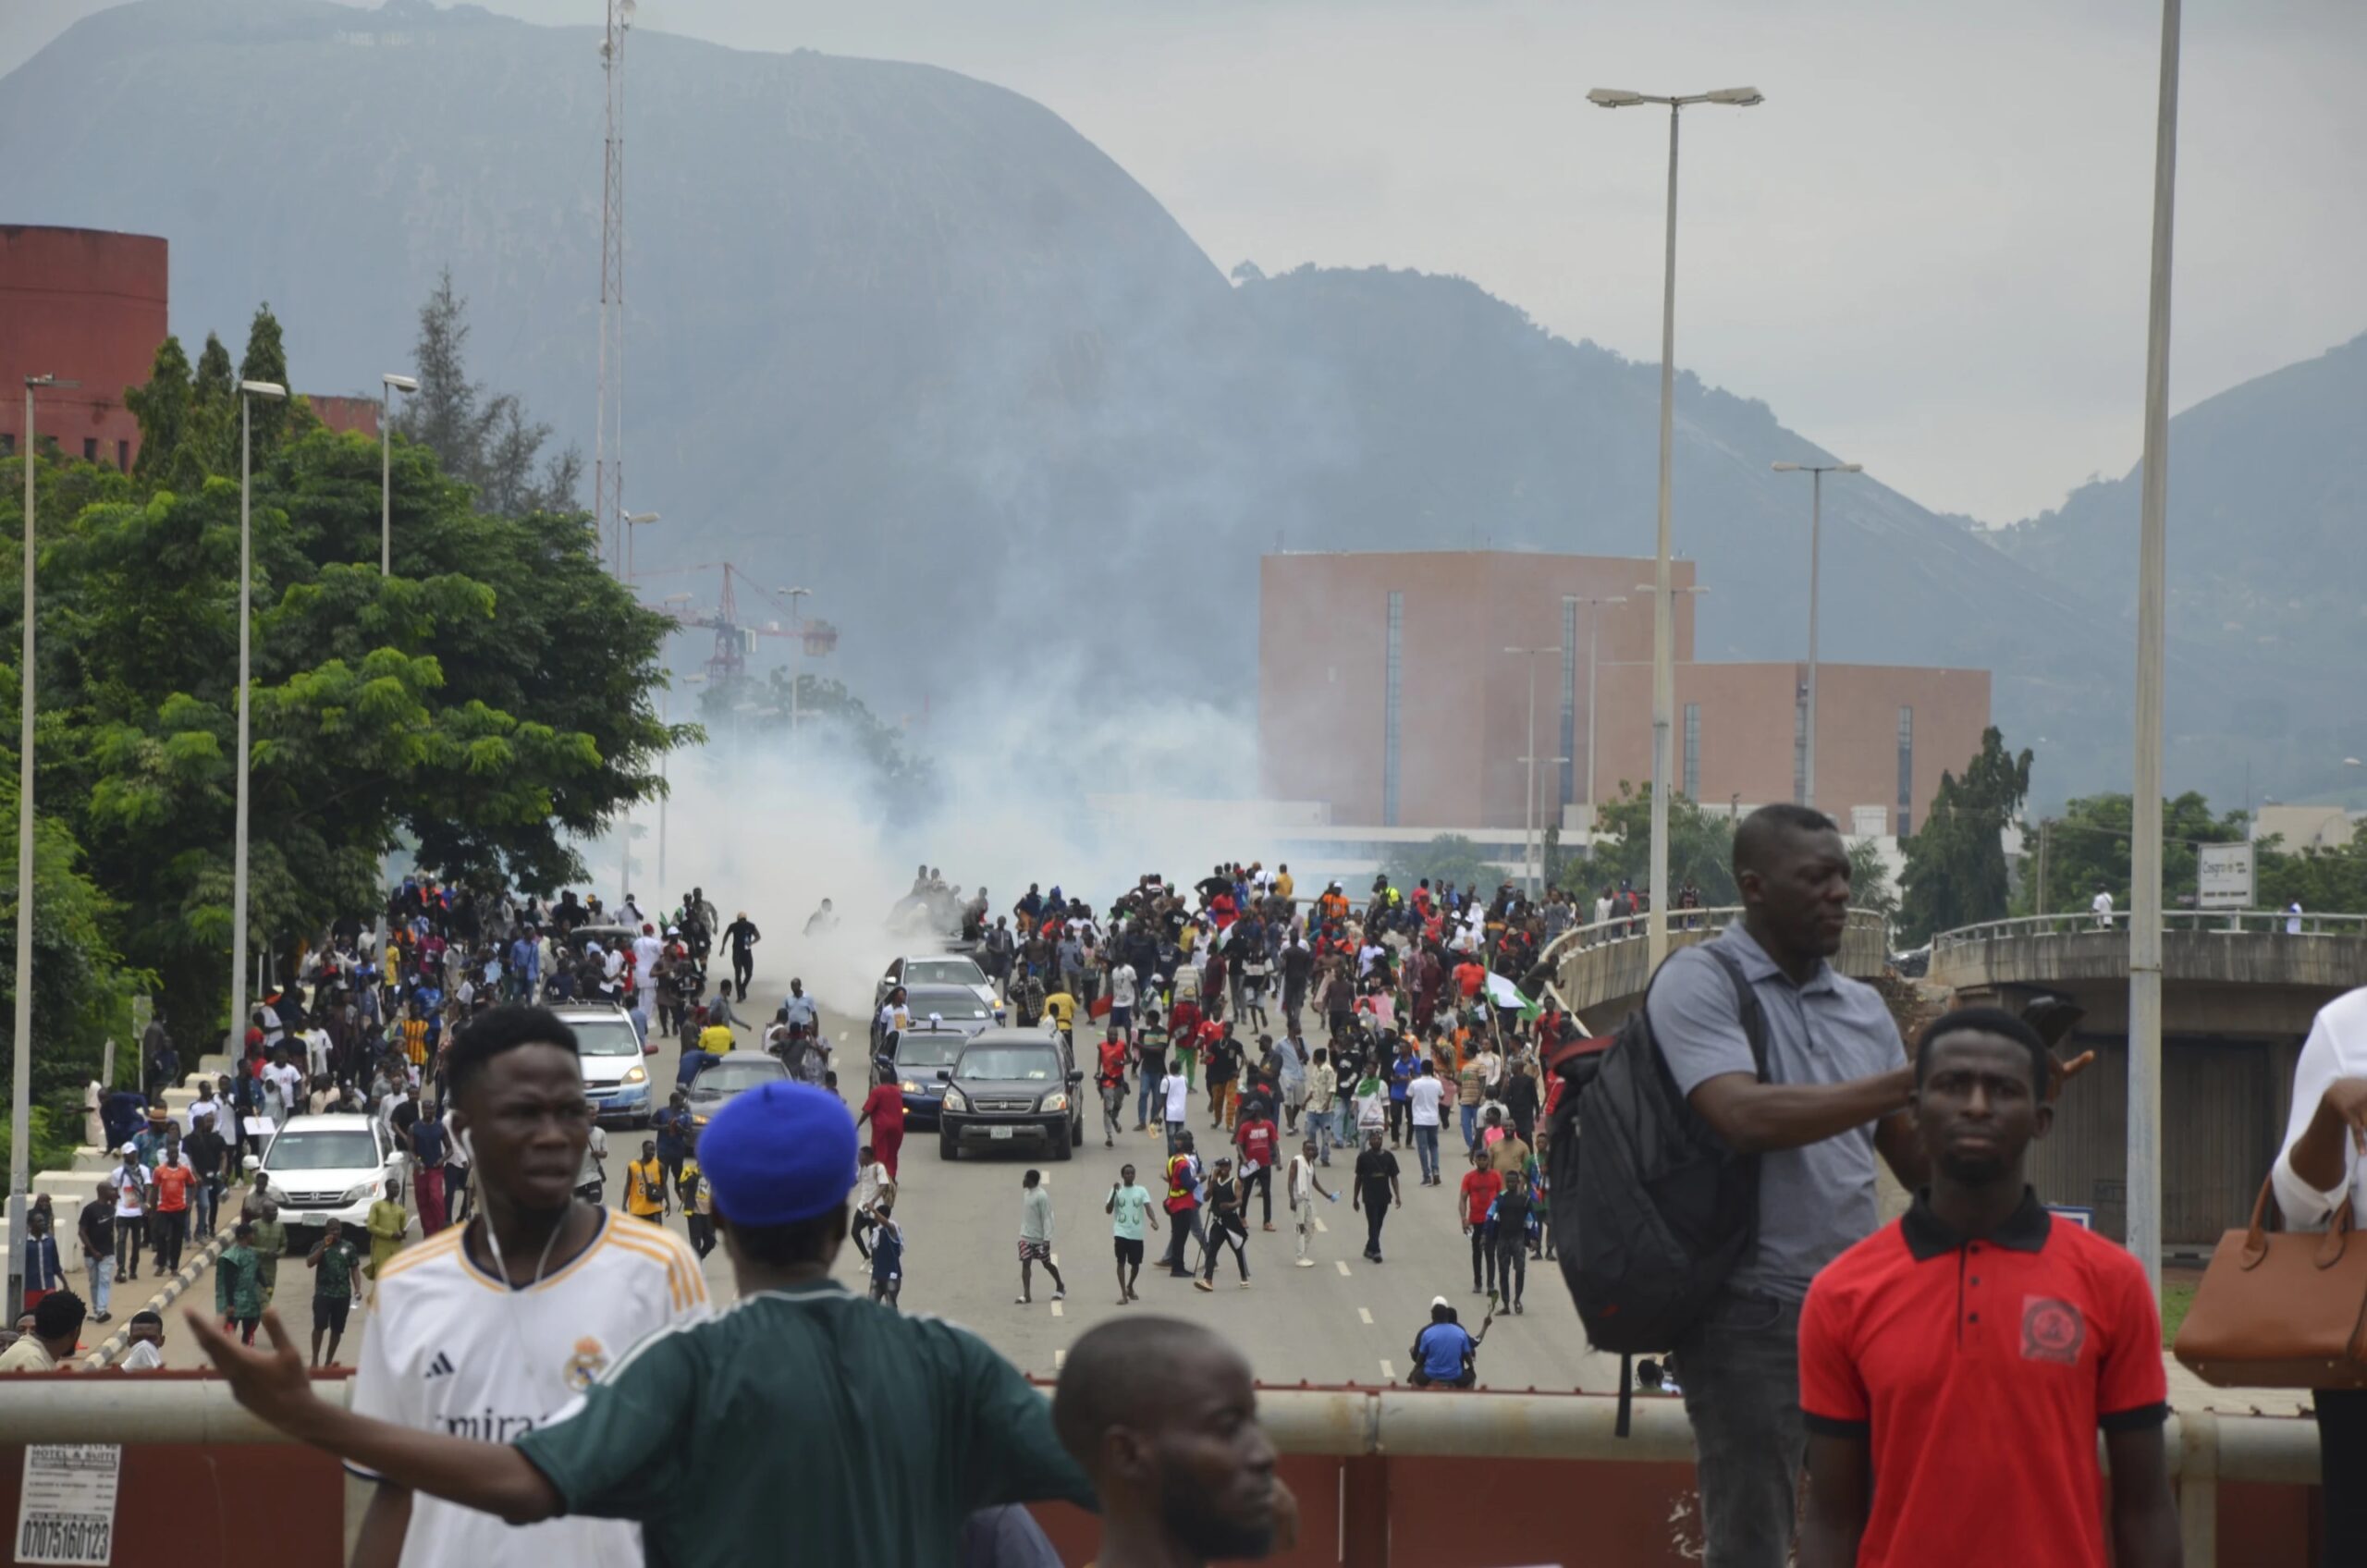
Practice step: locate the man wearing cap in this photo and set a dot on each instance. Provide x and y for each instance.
(905, 1425)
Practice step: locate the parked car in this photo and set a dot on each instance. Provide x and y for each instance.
(727, 1076)
(1011, 1085)
(616, 1071)
(329, 1166)
(920, 1062)
(933, 969)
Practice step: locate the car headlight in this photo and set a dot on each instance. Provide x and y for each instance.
(699, 1117)
(956, 1100)
(355, 1195)
(909, 1087)
(1057, 1100)
(636, 1075)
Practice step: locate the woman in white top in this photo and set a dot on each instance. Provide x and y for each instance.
(2320, 1167)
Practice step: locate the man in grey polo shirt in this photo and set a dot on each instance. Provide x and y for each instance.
(1838, 1088)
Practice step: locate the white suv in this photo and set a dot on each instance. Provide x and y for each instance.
(324, 1168)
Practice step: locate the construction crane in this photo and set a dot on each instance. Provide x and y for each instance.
(735, 640)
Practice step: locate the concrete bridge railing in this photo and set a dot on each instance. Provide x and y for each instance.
(1602, 968)
(2246, 948)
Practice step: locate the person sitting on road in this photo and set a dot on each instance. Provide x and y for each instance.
(1444, 1353)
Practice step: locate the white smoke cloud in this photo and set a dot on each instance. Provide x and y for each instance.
(773, 827)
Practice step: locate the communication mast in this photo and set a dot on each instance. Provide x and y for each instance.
(608, 436)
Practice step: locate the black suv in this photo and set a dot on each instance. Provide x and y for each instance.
(1013, 1086)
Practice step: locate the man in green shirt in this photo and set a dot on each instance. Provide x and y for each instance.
(333, 1260)
(271, 1245)
(804, 1421)
(237, 1284)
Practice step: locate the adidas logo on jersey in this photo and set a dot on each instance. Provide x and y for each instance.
(441, 1367)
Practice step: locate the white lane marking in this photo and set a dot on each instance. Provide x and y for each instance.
(1056, 1309)
(1060, 1359)
(1056, 1259)
(1365, 1314)
(1388, 1373)
(1341, 1265)
(1319, 1227)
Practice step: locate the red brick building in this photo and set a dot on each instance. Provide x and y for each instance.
(1385, 693)
(84, 305)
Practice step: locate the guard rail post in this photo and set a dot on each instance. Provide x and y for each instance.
(2199, 1487)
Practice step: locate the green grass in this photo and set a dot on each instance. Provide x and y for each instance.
(2176, 1299)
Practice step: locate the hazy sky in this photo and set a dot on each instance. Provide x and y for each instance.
(1927, 249)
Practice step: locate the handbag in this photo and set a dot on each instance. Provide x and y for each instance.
(2281, 1311)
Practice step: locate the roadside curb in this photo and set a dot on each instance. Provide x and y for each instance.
(111, 1350)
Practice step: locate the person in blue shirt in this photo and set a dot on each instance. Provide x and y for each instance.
(1443, 1353)
(673, 1128)
(1401, 1075)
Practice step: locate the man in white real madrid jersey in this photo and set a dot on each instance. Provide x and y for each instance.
(485, 1338)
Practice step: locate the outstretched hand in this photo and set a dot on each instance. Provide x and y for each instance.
(274, 1383)
(2059, 1071)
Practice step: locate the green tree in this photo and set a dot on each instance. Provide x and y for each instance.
(162, 407)
(267, 360)
(2328, 881)
(489, 703)
(1449, 860)
(1955, 863)
(208, 439)
(1700, 847)
(2088, 848)
(483, 439)
(1870, 884)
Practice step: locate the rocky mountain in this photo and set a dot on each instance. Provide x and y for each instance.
(907, 340)
(2267, 568)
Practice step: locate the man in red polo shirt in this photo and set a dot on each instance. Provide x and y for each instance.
(1968, 1354)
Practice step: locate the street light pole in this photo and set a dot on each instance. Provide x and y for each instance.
(1594, 645)
(21, 1090)
(1816, 553)
(248, 392)
(797, 670)
(1663, 612)
(1528, 874)
(629, 522)
(2144, 1216)
(393, 384)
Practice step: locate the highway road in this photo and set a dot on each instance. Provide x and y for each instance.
(1344, 1321)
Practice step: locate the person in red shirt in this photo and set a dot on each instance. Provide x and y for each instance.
(1258, 1140)
(1480, 1185)
(884, 1109)
(173, 1181)
(1111, 1079)
(1469, 975)
(1968, 1353)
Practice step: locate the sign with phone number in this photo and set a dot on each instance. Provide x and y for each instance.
(66, 1511)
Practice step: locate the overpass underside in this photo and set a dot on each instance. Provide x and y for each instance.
(2235, 1007)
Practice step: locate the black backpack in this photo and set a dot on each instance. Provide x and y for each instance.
(1650, 1210)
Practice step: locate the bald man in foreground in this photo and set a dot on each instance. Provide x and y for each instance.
(1162, 1415)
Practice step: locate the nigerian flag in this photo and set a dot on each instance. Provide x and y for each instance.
(1504, 993)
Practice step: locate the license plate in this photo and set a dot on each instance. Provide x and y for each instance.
(1000, 1132)
(312, 1219)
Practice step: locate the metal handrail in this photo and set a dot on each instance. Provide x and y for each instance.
(192, 1407)
(2075, 923)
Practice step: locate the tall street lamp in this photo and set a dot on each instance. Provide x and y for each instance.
(1816, 534)
(1529, 817)
(393, 384)
(797, 670)
(1594, 645)
(20, 1091)
(2145, 1221)
(633, 521)
(248, 392)
(1664, 615)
